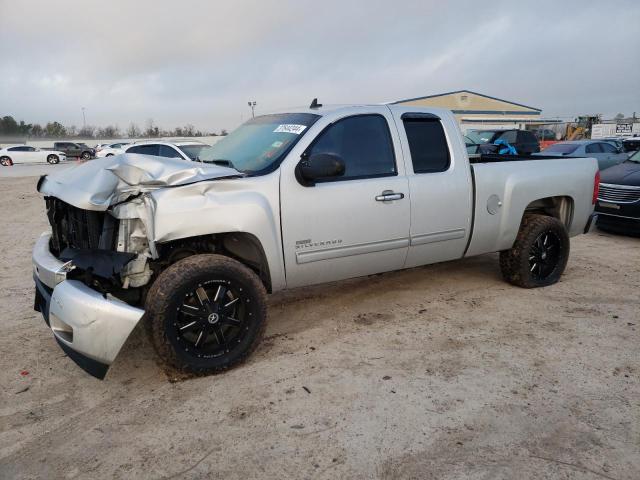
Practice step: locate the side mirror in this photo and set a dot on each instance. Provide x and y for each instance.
(318, 167)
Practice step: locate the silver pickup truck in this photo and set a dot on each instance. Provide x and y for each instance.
(287, 200)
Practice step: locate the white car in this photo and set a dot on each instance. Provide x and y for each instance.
(184, 150)
(25, 154)
(110, 149)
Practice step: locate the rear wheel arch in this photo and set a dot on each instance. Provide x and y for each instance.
(560, 207)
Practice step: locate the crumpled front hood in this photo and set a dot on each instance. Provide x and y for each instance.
(97, 184)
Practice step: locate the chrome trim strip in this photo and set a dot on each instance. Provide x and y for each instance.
(437, 236)
(350, 250)
(606, 214)
(622, 187)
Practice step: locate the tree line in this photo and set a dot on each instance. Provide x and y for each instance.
(10, 127)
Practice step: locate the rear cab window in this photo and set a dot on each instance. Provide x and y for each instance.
(427, 143)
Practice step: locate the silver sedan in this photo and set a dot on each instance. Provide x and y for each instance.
(606, 154)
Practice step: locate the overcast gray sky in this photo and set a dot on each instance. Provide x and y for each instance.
(200, 62)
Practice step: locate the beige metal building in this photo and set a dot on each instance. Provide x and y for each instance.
(476, 110)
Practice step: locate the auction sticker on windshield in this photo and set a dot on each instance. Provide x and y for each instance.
(290, 128)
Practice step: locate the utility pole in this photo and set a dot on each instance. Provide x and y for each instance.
(84, 120)
(252, 105)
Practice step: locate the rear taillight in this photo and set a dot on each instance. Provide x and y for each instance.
(596, 187)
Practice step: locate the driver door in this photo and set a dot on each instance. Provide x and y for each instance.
(355, 224)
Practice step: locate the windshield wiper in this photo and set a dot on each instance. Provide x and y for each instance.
(222, 162)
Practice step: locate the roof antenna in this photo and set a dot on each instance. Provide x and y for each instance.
(315, 104)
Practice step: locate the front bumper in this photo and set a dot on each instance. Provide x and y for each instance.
(89, 326)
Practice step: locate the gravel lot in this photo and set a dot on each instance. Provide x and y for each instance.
(440, 372)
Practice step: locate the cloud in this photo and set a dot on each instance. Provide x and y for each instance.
(200, 61)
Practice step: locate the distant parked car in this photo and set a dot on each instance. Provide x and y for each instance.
(12, 154)
(606, 154)
(72, 149)
(524, 141)
(631, 144)
(616, 142)
(618, 205)
(544, 134)
(187, 150)
(111, 149)
(472, 147)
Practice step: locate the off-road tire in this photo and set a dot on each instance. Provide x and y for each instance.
(515, 263)
(52, 159)
(6, 162)
(166, 298)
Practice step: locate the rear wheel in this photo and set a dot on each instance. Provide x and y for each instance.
(206, 313)
(53, 159)
(539, 255)
(6, 162)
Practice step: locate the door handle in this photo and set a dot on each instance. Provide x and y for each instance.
(388, 196)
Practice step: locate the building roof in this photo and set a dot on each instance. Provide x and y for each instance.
(467, 91)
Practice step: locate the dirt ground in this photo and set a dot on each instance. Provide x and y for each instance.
(441, 372)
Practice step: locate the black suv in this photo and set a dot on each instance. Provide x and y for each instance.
(524, 141)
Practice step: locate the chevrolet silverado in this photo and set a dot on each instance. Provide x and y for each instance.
(287, 200)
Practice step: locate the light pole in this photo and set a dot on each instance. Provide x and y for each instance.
(84, 120)
(253, 108)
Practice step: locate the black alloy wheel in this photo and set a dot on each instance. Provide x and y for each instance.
(212, 319)
(206, 313)
(544, 254)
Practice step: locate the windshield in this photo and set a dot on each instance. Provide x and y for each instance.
(260, 144)
(561, 148)
(480, 136)
(192, 151)
(635, 157)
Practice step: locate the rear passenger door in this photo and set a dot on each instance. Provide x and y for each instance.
(439, 185)
(170, 152)
(595, 150)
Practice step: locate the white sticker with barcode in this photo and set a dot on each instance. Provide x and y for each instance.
(290, 128)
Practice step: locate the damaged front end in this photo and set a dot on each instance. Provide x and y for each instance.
(92, 271)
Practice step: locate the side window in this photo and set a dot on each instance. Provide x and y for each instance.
(145, 150)
(526, 137)
(608, 148)
(15, 149)
(428, 145)
(363, 142)
(169, 152)
(593, 148)
(509, 137)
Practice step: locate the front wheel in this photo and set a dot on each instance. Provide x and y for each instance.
(6, 162)
(206, 313)
(53, 159)
(85, 156)
(539, 254)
